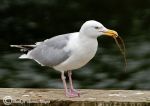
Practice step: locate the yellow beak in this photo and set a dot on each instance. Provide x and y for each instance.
(111, 33)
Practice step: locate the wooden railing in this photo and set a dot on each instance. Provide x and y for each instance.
(89, 97)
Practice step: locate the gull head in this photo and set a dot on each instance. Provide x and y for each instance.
(95, 29)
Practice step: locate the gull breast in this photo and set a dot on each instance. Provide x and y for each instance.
(82, 51)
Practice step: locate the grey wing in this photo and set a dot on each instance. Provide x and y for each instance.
(51, 52)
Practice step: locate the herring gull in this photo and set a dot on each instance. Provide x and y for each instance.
(68, 52)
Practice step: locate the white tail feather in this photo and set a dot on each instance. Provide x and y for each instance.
(24, 56)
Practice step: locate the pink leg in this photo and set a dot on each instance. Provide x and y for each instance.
(72, 90)
(64, 83)
(68, 94)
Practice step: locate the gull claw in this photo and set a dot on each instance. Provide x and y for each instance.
(75, 92)
(71, 95)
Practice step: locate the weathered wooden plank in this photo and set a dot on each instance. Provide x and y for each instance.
(55, 97)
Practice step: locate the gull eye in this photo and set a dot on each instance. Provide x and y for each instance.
(96, 27)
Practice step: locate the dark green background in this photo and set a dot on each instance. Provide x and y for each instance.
(29, 21)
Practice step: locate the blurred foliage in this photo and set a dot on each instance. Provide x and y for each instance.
(28, 21)
(31, 20)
